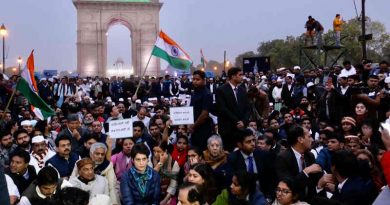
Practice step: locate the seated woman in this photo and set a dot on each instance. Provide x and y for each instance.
(216, 157)
(194, 156)
(180, 150)
(287, 193)
(168, 169)
(122, 160)
(202, 175)
(190, 194)
(141, 184)
(242, 191)
(88, 180)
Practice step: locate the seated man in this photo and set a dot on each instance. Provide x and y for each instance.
(44, 188)
(87, 180)
(335, 143)
(248, 158)
(20, 171)
(40, 153)
(347, 187)
(64, 160)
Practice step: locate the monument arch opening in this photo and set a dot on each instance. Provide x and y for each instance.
(119, 51)
(94, 18)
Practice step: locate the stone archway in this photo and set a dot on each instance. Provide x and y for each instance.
(94, 18)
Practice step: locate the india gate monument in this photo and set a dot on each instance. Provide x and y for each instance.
(94, 18)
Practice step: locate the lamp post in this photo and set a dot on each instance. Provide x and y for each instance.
(19, 62)
(3, 32)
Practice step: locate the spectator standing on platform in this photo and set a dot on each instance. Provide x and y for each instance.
(337, 23)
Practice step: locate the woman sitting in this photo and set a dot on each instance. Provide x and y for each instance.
(202, 175)
(242, 191)
(287, 193)
(141, 184)
(168, 169)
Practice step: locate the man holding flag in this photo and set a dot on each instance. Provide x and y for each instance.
(28, 87)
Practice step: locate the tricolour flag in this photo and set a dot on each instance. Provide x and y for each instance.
(203, 59)
(170, 51)
(28, 87)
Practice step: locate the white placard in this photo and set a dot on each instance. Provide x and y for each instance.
(121, 128)
(182, 115)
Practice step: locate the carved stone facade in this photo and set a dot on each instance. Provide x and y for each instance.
(94, 18)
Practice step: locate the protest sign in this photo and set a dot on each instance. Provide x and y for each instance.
(182, 115)
(121, 128)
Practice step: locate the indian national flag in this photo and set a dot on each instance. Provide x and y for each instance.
(203, 59)
(170, 51)
(28, 87)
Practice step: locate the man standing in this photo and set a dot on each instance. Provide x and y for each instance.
(202, 102)
(337, 23)
(232, 107)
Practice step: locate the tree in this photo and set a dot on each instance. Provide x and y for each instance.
(285, 52)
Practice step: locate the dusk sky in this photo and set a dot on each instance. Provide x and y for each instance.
(49, 26)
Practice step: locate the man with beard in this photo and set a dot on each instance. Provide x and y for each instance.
(155, 133)
(27, 125)
(6, 147)
(64, 160)
(202, 101)
(40, 153)
(22, 140)
(21, 173)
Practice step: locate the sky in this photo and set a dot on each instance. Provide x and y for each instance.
(49, 26)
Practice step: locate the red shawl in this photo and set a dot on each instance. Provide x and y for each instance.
(180, 157)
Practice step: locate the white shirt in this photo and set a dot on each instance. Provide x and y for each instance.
(298, 158)
(247, 161)
(12, 188)
(34, 162)
(340, 185)
(345, 72)
(146, 120)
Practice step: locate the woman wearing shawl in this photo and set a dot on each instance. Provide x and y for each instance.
(141, 184)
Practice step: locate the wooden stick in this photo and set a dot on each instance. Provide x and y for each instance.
(139, 83)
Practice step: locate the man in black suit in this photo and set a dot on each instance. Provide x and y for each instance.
(250, 159)
(74, 130)
(287, 90)
(347, 187)
(298, 162)
(232, 107)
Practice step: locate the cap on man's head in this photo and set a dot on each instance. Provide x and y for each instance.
(297, 68)
(26, 123)
(38, 139)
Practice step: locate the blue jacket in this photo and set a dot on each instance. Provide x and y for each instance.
(63, 166)
(131, 195)
(324, 159)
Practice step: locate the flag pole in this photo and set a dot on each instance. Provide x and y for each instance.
(12, 96)
(143, 74)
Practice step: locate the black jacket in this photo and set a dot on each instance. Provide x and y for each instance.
(20, 181)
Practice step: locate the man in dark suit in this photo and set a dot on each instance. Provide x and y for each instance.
(298, 162)
(287, 90)
(74, 130)
(250, 159)
(232, 107)
(347, 187)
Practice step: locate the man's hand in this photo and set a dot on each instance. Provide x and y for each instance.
(324, 180)
(240, 125)
(76, 134)
(109, 142)
(314, 168)
(163, 157)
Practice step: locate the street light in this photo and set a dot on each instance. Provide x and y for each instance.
(215, 67)
(19, 62)
(3, 32)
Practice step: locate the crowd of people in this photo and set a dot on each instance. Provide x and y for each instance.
(286, 137)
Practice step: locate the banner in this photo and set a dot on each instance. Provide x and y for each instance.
(121, 128)
(182, 115)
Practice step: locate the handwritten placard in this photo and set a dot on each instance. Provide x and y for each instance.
(182, 115)
(121, 128)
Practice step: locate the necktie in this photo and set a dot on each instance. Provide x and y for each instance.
(303, 164)
(235, 93)
(250, 164)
